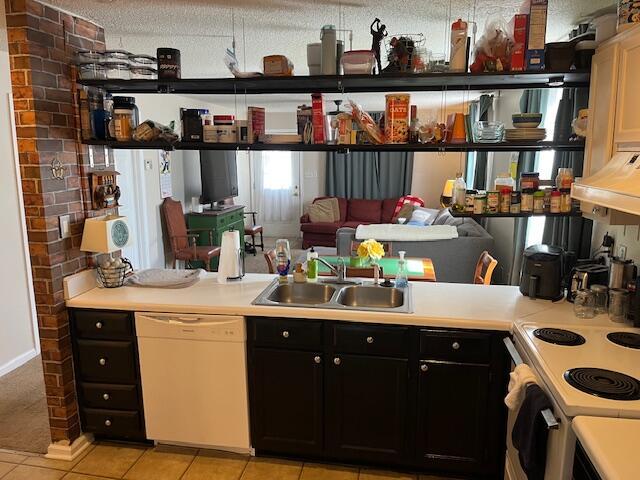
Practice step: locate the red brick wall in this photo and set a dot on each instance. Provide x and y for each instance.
(42, 45)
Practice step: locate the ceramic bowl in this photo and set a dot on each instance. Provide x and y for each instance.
(526, 120)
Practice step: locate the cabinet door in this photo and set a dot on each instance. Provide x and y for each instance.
(286, 401)
(602, 108)
(628, 101)
(366, 409)
(453, 416)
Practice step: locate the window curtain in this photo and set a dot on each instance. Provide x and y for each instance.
(372, 175)
(571, 233)
(273, 183)
(532, 101)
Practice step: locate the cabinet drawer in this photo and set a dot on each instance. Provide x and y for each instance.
(102, 325)
(103, 361)
(104, 395)
(371, 339)
(112, 422)
(456, 346)
(277, 332)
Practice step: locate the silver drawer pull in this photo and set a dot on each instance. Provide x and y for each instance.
(98, 325)
(285, 334)
(102, 361)
(107, 422)
(455, 346)
(424, 367)
(369, 339)
(317, 359)
(106, 396)
(337, 361)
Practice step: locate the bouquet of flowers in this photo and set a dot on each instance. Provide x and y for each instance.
(371, 249)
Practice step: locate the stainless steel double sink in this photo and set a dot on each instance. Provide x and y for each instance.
(342, 296)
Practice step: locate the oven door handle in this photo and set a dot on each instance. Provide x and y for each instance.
(547, 414)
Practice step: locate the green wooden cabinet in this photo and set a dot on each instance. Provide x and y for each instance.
(218, 221)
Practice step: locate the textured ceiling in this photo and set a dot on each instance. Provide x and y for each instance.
(286, 26)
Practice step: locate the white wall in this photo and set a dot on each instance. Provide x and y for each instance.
(18, 329)
(628, 236)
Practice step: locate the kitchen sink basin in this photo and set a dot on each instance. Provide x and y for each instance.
(337, 295)
(371, 297)
(302, 293)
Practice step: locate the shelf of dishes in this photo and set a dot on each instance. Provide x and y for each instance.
(303, 147)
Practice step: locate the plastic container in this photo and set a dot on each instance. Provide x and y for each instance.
(92, 71)
(358, 62)
(556, 200)
(125, 118)
(504, 180)
(606, 26)
(89, 56)
(143, 61)
(402, 280)
(314, 58)
(143, 73)
(116, 56)
(117, 71)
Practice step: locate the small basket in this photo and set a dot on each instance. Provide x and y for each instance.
(113, 277)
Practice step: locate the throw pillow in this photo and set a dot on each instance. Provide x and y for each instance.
(404, 212)
(422, 216)
(325, 210)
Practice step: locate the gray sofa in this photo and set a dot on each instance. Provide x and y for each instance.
(454, 260)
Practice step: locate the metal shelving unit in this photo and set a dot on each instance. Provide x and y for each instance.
(576, 213)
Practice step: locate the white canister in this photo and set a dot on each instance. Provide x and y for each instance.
(195, 205)
(314, 58)
(329, 46)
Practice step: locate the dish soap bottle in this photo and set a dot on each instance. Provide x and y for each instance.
(459, 193)
(312, 265)
(283, 260)
(401, 276)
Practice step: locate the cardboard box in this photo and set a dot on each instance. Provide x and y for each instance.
(536, 35)
(317, 107)
(520, 24)
(255, 124)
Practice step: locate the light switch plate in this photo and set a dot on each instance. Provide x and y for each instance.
(64, 222)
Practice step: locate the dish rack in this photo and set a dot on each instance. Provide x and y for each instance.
(114, 277)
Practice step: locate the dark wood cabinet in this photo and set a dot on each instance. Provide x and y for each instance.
(366, 408)
(287, 395)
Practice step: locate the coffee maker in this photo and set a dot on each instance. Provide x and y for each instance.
(542, 272)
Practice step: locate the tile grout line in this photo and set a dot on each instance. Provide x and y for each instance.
(190, 463)
(245, 468)
(15, 465)
(134, 463)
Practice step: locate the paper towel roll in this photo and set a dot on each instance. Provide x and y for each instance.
(229, 264)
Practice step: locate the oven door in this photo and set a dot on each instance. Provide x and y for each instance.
(560, 444)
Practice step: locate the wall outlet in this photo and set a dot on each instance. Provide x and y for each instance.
(64, 224)
(148, 165)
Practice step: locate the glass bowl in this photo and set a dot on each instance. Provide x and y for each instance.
(488, 132)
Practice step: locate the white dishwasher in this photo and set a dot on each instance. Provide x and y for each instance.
(194, 379)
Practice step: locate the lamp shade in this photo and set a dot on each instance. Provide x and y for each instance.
(447, 190)
(105, 234)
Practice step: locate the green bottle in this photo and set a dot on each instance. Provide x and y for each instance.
(312, 265)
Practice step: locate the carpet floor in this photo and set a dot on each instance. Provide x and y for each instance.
(24, 420)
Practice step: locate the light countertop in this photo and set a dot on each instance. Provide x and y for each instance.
(611, 444)
(493, 307)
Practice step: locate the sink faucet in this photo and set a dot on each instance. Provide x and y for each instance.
(338, 271)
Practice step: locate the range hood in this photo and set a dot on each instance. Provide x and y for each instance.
(615, 186)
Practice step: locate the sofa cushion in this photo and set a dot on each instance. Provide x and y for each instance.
(367, 211)
(321, 227)
(325, 210)
(388, 207)
(422, 216)
(445, 218)
(342, 204)
(469, 229)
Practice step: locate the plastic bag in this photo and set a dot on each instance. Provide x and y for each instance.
(492, 52)
(366, 123)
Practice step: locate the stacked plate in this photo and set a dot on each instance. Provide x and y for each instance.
(524, 134)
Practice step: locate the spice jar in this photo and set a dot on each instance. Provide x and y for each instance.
(479, 204)
(564, 179)
(468, 200)
(538, 201)
(493, 202)
(515, 202)
(617, 304)
(527, 200)
(125, 118)
(529, 180)
(505, 200)
(601, 294)
(565, 200)
(554, 206)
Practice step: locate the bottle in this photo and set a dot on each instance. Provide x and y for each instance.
(401, 275)
(414, 126)
(458, 59)
(459, 193)
(283, 259)
(329, 50)
(312, 265)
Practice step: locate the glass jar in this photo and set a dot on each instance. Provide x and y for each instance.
(617, 304)
(468, 200)
(89, 56)
(143, 73)
(565, 200)
(144, 61)
(564, 179)
(584, 304)
(538, 202)
(529, 181)
(125, 118)
(515, 202)
(504, 180)
(505, 200)
(526, 204)
(556, 200)
(91, 71)
(479, 204)
(117, 71)
(601, 294)
(116, 56)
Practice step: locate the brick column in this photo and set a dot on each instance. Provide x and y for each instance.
(42, 45)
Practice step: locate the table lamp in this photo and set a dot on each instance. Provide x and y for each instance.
(108, 234)
(447, 194)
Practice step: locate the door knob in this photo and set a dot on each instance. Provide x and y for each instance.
(337, 361)
(369, 339)
(107, 422)
(424, 367)
(455, 345)
(98, 325)
(317, 359)
(102, 361)
(285, 334)
(106, 396)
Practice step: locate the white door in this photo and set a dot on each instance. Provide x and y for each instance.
(276, 194)
(627, 118)
(133, 200)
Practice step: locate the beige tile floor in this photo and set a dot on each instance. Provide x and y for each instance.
(115, 461)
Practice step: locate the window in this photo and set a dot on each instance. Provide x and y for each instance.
(277, 170)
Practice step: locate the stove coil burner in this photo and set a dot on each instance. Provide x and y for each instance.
(604, 383)
(625, 339)
(559, 336)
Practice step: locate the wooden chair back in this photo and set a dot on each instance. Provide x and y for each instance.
(484, 269)
(175, 223)
(385, 245)
(270, 257)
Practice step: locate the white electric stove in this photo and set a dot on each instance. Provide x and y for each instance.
(583, 372)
